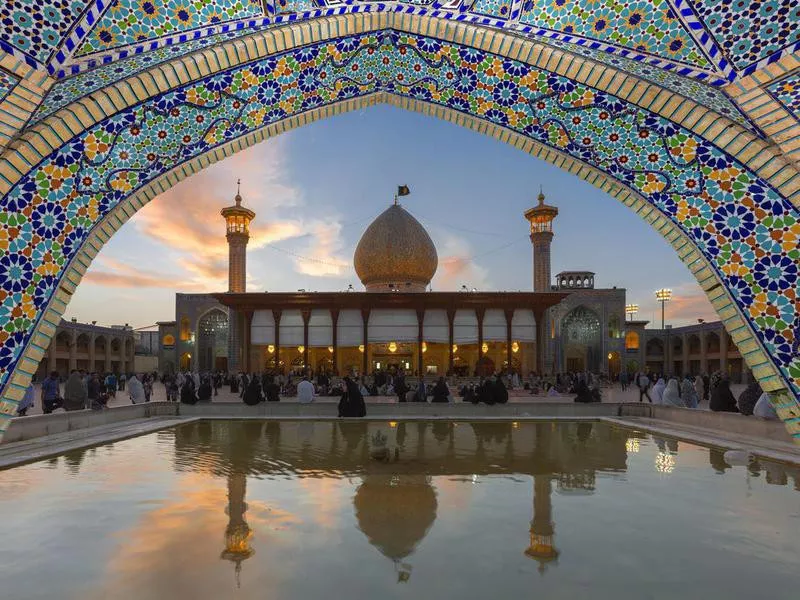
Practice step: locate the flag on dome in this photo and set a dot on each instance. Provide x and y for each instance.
(402, 190)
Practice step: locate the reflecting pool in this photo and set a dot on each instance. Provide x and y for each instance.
(324, 509)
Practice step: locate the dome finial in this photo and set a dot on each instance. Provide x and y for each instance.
(238, 192)
(541, 194)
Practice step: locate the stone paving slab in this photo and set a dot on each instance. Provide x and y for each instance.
(16, 453)
(787, 452)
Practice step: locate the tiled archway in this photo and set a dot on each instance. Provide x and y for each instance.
(708, 186)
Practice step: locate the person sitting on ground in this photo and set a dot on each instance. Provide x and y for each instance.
(440, 391)
(273, 390)
(722, 399)
(764, 409)
(485, 389)
(689, 393)
(749, 397)
(351, 404)
(672, 394)
(74, 392)
(553, 392)
(500, 392)
(252, 395)
(305, 391)
(583, 393)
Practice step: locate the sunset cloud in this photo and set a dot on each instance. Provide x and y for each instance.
(689, 303)
(456, 267)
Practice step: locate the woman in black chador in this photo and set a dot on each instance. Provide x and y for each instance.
(500, 393)
(440, 391)
(352, 403)
(187, 391)
(252, 395)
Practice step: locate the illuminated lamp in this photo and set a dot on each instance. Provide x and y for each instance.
(301, 349)
(270, 348)
(424, 347)
(455, 348)
(361, 348)
(485, 348)
(392, 347)
(514, 347)
(330, 349)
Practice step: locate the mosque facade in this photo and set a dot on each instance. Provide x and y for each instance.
(564, 324)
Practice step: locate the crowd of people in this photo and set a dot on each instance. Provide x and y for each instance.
(83, 390)
(690, 391)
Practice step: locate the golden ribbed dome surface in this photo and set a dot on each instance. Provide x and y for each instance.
(395, 250)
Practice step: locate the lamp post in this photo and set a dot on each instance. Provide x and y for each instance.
(664, 295)
(631, 309)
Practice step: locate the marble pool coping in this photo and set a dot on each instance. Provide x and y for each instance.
(34, 438)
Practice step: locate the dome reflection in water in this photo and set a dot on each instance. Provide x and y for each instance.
(310, 509)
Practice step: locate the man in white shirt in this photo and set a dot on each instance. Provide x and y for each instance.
(305, 391)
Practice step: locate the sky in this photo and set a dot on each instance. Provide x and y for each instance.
(317, 188)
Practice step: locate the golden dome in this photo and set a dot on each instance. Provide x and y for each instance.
(395, 252)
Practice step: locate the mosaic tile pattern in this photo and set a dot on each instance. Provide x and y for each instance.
(127, 22)
(709, 96)
(647, 26)
(68, 90)
(748, 31)
(290, 6)
(495, 8)
(7, 83)
(748, 232)
(787, 92)
(37, 28)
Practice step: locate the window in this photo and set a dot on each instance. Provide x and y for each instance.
(631, 341)
(168, 340)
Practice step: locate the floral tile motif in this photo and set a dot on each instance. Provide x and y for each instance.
(647, 26)
(742, 226)
(292, 6)
(748, 31)
(7, 83)
(493, 8)
(65, 91)
(127, 22)
(787, 92)
(693, 89)
(37, 28)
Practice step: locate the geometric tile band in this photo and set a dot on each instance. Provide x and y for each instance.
(745, 229)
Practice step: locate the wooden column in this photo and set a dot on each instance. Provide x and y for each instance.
(479, 313)
(420, 325)
(541, 338)
(306, 318)
(334, 339)
(276, 315)
(248, 323)
(365, 357)
(509, 312)
(451, 315)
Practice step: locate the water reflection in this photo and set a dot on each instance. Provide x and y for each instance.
(306, 501)
(395, 503)
(238, 532)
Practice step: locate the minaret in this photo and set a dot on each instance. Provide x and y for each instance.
(541, 220)
(237, 219)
